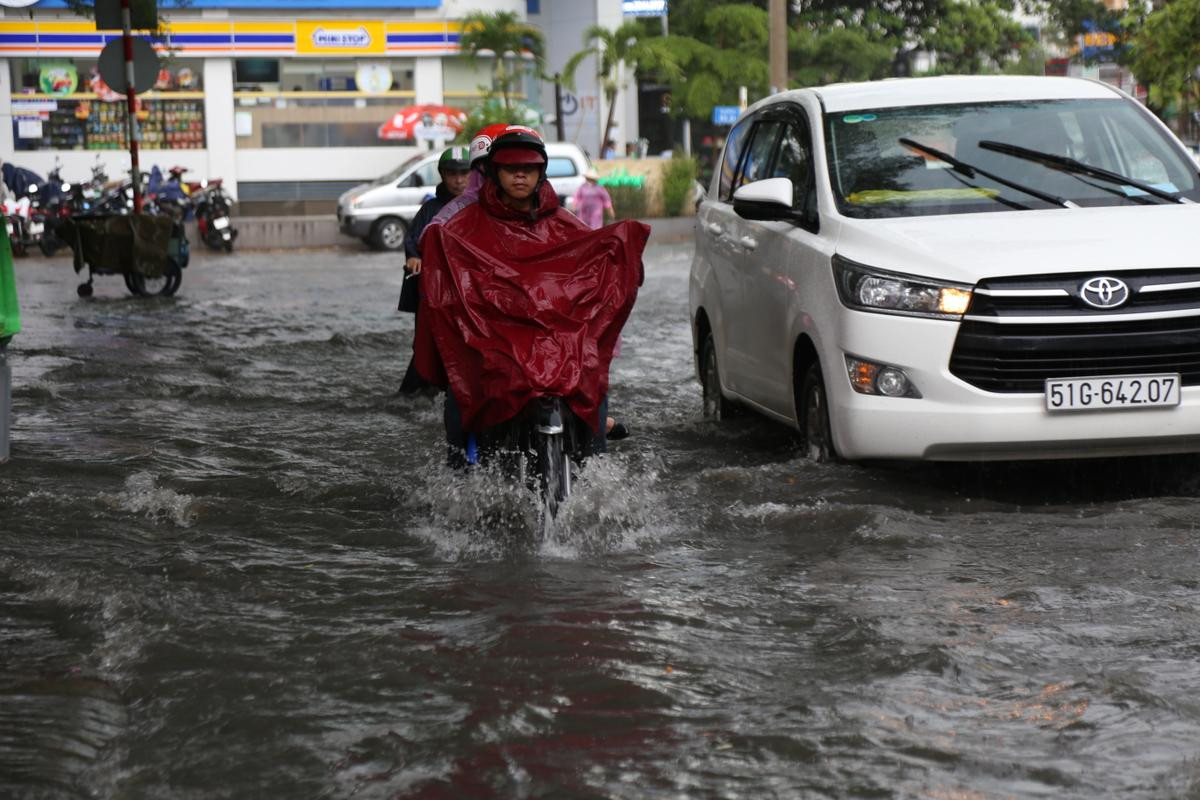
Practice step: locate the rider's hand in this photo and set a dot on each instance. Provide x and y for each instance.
(413, 265)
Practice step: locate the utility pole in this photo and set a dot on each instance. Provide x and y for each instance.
(131, 105)
(777, 30)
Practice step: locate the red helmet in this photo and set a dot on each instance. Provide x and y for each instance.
(518, 144)
(481, 142)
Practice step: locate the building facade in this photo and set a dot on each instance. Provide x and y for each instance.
(286, 100)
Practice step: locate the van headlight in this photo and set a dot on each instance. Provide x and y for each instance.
(869, 289)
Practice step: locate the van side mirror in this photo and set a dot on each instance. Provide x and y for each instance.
(766, 200)
(771, 200)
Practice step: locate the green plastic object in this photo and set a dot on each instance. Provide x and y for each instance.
(10, 313)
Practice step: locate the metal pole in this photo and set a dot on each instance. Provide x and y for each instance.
(131, 106)
(777, 26)
(559, 125)
(5, 404)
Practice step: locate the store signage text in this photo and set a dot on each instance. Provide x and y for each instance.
(355, 38)
(340, 37)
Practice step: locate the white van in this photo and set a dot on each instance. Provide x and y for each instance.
(379, 212)
(954, 268)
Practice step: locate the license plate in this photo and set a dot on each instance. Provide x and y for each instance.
(36, 228)
(1125, 391)
(221, 222)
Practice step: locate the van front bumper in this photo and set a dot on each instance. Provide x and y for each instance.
(355, 225)
(955, 421)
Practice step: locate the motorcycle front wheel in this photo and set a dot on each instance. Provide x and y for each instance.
(553, 470)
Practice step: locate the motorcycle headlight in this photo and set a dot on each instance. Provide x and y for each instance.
(869, 289)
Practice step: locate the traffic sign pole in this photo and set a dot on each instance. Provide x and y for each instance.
(131, 105)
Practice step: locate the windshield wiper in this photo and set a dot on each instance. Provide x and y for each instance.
(971, 171)
(1068, 164)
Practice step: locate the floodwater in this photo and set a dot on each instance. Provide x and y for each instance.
(232, 565)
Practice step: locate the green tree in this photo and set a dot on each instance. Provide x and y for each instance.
(625, 48)
(976, 37)
(1165, 54)
(818, 57)
(728, 51)
(505, 38)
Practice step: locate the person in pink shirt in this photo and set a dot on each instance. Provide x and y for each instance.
(591, 201)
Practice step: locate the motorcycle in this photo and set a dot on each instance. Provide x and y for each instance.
(211, 205)
(537, 448)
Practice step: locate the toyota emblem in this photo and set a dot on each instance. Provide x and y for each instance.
(1104, 292)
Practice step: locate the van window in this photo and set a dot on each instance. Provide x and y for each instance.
(758, 156)
(561, 168)
(875, 174)
(794, 161)
(424, 175)
(733, 154)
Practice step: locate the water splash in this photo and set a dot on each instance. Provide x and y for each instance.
(143, 495)
(485, 513)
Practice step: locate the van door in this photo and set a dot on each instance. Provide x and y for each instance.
(782, 257)
(746, 267)
(715, 254)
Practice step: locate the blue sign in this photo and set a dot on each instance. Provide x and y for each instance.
(725, 115)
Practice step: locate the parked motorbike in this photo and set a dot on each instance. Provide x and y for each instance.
(211, 205)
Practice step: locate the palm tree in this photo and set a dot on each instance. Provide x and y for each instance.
(504, 37)
(627, 46)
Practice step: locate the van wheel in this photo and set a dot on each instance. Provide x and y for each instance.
(814, 417)
(716, 406)
(388, 234)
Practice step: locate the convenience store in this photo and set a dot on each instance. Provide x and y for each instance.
(284, 99)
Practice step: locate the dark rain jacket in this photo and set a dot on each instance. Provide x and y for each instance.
(516, 306)
(427, 211)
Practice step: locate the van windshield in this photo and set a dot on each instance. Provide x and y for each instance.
(395, 174)
(874, 174)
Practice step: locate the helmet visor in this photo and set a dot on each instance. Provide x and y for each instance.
(517, 155)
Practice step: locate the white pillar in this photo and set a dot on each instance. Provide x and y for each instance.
(427, 81)
(218, 122)
(7, 145)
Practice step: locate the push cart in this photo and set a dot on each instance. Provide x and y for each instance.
(149, 251)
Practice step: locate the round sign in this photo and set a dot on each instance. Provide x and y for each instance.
(145, 65)
(373, 77)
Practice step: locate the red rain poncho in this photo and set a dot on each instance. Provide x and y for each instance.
(515, 307)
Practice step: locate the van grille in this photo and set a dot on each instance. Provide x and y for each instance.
(1019, 332)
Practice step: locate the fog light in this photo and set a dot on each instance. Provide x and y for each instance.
(879, 379)
(891, 382)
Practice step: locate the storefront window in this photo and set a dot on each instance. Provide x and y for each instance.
(312, 102)
(62, 104)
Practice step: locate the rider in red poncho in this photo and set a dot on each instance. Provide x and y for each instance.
(519, 299)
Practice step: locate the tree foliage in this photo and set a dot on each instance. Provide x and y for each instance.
(817, 57)
(624, 48)
(1165, 53)
(728, 50)
(976, 37)
(514, 47)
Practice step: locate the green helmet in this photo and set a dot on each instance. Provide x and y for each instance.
(455, 158)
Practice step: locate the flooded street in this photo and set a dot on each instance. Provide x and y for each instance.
(233, 565)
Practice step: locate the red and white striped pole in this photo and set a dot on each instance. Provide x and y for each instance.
(131, 105)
